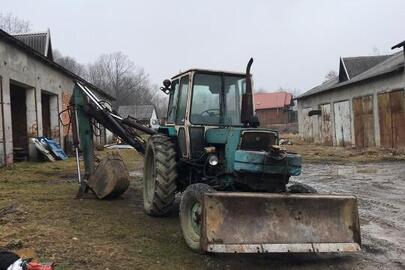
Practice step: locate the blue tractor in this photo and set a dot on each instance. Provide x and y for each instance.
(233, 175)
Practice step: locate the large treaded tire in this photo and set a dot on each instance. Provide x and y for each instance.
(191, 231)
(159, 176)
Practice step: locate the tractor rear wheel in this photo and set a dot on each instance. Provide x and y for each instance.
(159, 176)
(190, 214)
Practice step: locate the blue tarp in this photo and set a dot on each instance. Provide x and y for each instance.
(54, 148)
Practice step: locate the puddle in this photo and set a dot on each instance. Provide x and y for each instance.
(380, 189)
(367, 170)
(352, 170)
(345, 170)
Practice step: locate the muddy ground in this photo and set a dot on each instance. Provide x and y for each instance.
(42, 218)
(380, 188)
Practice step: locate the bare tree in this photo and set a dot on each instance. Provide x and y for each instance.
(160, 100)
(12, 24)
(119, 76)
(330, 75)
(69, 63)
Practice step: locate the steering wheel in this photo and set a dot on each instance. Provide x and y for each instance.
(211, 112)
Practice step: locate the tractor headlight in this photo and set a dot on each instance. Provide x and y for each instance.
(213, 160)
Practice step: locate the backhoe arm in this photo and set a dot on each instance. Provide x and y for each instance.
(86, 109)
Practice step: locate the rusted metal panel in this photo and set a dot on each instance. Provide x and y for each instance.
(264, 222)
(343, 123)
(384, 116)
(363, 121)
(307, 125)
(283, 248)
(398, 118)
(110, 178)
(326, 125)
(311, 131)
(368, 121)
(391, 110)
(358, 125)
(316, 133)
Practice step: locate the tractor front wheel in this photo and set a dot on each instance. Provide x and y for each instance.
(159, 176)
(301, 188)
(190, 214)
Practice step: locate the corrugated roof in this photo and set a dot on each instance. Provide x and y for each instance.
(394, 62)
(357, 65)
(39, 56)
(139, 112)
(41, 42)
(272, 100)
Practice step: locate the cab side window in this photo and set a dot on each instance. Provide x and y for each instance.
(182, 100)
(172, 108)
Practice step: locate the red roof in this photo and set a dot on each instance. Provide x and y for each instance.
(272, 100)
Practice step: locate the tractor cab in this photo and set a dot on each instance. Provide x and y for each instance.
(206, 98)
(200, 100)
(211, 117)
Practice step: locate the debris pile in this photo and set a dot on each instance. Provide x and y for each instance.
(50, 149)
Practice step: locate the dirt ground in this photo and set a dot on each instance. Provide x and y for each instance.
(39, 216)
(315, 153)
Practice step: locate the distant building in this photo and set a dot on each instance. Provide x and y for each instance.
(363, 107)
(145, 114)
(33, 91)
(274, 111)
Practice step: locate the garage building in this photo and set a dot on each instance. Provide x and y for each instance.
(364, 106)
(33, 91)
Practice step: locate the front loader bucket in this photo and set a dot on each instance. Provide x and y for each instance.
(110, 178)
(261, 222)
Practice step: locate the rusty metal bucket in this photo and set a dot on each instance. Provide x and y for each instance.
(110, 178)
(262, 222)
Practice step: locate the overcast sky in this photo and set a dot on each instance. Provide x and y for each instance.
(294, 43)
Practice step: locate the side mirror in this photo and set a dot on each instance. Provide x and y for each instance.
(166, 86)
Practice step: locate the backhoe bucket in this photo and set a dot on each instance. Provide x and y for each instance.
(110, 178)
(234, 222)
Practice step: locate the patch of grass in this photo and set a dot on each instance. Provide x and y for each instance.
(87, 233)
(321, 153)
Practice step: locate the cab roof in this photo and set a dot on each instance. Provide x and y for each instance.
(209, 71)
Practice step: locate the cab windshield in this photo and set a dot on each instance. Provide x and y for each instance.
(217, 99)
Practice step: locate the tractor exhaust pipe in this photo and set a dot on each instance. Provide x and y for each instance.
(247, 114)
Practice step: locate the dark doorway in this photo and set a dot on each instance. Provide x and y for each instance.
(19, 122)
(46, 115)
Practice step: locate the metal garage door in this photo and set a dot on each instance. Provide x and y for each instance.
(363, 121)
(343, 123)
(391, 112)
(307, 125)
(310, 126)
(326, 125)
